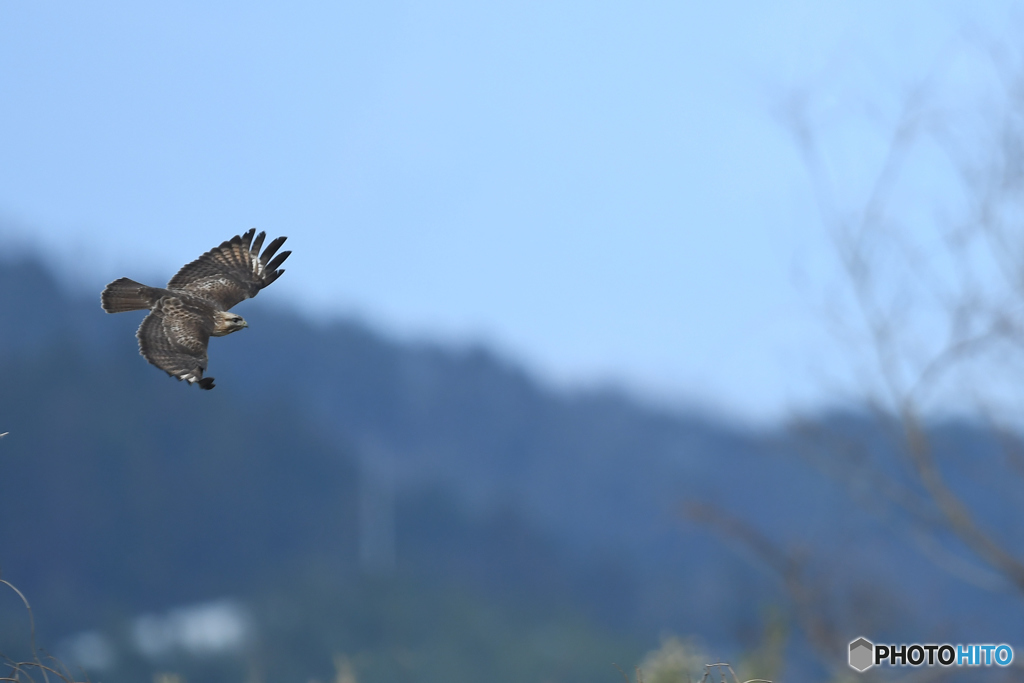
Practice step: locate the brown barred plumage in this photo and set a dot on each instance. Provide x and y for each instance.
(193, 307)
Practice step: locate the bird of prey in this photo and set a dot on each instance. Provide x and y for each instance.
(194, 305)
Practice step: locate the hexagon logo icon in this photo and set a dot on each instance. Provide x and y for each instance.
(862, 654)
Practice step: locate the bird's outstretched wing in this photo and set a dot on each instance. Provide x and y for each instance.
(234, 271)
(174, 336)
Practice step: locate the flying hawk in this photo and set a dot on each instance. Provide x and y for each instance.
(194, 306)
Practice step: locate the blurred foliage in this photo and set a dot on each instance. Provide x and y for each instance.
(377, 630)
(402, 630)
(676, 660)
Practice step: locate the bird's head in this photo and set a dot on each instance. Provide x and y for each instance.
(226, 323)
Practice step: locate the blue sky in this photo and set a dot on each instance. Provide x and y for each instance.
(603, 190)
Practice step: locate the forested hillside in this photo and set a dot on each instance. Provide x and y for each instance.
(428, 511)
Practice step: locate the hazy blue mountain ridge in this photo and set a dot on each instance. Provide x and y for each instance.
(125, 491)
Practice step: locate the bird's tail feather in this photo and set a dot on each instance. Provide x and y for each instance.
(126, 295)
